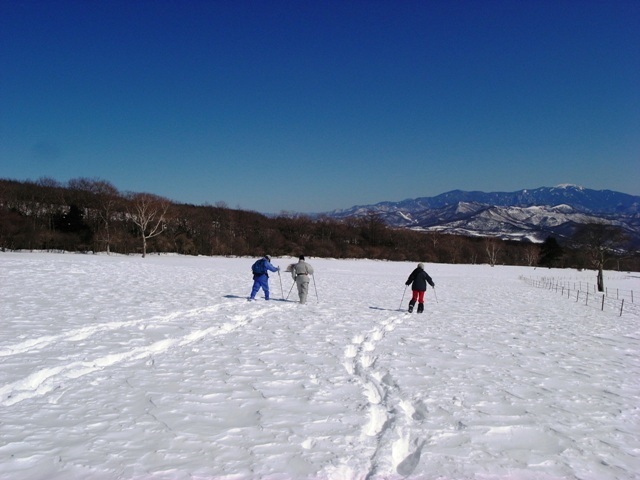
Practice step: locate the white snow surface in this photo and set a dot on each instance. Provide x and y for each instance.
(119, 367)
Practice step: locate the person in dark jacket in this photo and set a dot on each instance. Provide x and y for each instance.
(418, 281)
(261, 277)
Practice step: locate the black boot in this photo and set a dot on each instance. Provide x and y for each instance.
(420, 307)
(411, 304)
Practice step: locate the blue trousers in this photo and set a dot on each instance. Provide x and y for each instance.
(260, 282)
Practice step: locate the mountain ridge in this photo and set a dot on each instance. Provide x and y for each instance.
(528, 214)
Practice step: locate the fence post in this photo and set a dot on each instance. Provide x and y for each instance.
(621, 306)
(603, 297)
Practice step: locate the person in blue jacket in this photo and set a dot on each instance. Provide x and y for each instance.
(260, 271)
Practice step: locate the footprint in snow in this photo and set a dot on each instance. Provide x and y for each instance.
(377, 420)
(367, 361)
(419, 411)
(409, 464)
(350, 351)
(369, 347)
(388, 380)
(349, 367)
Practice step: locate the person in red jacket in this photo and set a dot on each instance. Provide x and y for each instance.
(418, 281)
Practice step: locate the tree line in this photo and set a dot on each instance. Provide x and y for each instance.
(92, 215)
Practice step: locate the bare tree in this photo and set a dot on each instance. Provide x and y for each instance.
(532, 254)
(434, 238)
(50, 199)
(492, 246)
(456, 244)
(102, 199)
(148, 212)
(600, 241)
(108, 198)
(373, 228)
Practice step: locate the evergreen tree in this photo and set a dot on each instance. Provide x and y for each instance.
(550, 253)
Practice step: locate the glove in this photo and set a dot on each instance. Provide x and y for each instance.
(407, 283)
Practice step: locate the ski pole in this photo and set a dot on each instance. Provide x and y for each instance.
(315, 288)
(435, 294)
(290, 290)
(281, 289)
(402, 300)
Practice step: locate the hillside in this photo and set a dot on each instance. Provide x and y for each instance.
(525, 214)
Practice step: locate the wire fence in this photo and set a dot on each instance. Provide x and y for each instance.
(619, 300)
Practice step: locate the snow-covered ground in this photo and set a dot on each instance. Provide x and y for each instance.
(116, 367)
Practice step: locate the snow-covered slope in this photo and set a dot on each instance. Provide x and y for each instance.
(118, 367)
(533, 214)
(535, 223)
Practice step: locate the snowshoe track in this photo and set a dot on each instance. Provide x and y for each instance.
(174, 329)
(394, 452)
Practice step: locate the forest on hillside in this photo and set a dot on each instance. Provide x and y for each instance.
(92, 215)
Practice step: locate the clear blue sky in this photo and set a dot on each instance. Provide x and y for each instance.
(308, 106)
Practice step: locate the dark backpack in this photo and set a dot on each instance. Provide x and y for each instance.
(259, 268)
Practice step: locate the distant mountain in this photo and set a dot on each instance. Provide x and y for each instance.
(526, 214)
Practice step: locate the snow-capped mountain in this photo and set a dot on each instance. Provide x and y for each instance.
(525, 214)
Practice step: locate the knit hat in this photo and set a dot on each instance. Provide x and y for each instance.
(421, 265)
(267, 257)
(301, 257)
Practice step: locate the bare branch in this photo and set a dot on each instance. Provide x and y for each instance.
(148, 212)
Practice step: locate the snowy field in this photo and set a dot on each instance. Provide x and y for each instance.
(115, 367)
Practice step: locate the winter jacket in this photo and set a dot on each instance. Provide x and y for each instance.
(269, 267)
(300, 271)
(419, 279)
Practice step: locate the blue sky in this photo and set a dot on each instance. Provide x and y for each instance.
(309, 106)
